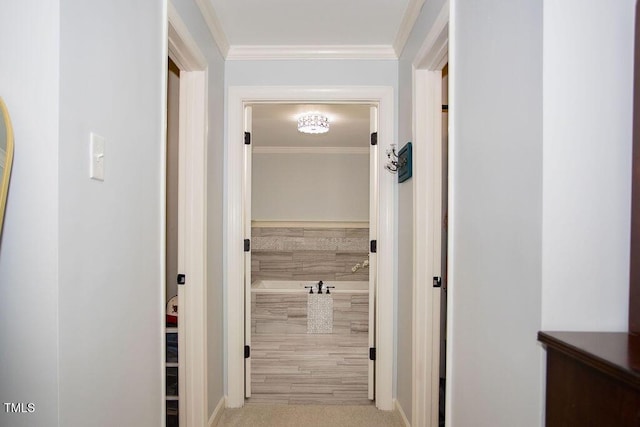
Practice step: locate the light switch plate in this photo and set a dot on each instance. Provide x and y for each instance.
(96, 162)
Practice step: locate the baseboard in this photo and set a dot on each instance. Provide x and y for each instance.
(217, 413)
(402, 414)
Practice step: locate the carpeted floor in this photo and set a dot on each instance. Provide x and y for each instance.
(309, 416)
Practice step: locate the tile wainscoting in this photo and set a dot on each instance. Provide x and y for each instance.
(306, 253)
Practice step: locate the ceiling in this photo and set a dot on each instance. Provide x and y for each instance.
(330, 28)
(304, 22)
(304, 29)
(275, 125)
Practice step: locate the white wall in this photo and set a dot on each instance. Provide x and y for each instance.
(29, 76)
(588, 89)
(112, 82)
(496, 221)
(310, 187)
(192, 17)
(307, 72)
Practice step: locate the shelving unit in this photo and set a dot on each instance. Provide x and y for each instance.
(171, 372)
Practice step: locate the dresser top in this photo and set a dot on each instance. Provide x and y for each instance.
(614, 353)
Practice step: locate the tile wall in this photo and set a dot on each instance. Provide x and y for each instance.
(303, 253)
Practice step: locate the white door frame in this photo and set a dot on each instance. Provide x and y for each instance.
(238, 96)
(427, 131)
(192, 226)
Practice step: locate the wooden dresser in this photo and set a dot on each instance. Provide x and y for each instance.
(593, 379)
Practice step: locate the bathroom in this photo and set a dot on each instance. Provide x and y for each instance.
(310, 232)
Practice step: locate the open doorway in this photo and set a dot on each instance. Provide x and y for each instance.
(238, 99)
(310, 276)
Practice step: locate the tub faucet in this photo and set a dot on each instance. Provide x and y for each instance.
(320, 284)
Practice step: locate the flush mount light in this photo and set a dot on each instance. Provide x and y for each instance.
(313, 123)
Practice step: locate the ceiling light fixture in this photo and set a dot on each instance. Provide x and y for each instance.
(313, 123)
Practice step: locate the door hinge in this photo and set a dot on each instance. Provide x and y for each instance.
(374, 138)
(437, 282)
(247, 352)
(182, 279)
(247, 138)
(247, 245)
(372, 353)
(373, 246)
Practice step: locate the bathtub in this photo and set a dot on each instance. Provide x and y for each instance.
(296, 286)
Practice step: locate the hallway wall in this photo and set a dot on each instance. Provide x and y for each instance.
(495, 373)
(588, 107)
(112, 82)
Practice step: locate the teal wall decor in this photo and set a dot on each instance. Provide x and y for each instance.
(405, 163)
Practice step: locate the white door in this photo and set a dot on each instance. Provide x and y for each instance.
(373, 237)
(246, 190)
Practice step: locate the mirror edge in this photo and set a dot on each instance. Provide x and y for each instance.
(4, 179)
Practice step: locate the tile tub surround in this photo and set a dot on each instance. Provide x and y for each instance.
(304, 253)
(286, 313)
(309, 369)
(290, 366)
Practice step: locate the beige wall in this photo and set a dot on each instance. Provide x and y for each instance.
(310, 187)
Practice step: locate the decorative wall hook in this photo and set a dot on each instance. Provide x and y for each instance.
(392, 164)
(395, 162)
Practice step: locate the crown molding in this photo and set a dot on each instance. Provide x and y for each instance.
(214, 25)
(315, 52)
(408, 21)
(311, 150)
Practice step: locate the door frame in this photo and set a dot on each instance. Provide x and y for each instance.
(192, 225)
(427, 131)
(238, 96)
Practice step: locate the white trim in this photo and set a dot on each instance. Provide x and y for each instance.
(214, 420)
(313, 52)
(451, 230)
(373, 256)
(398, 407)
(246, 198)
(233, 268)
(214, 25)
(162, 232)
(193, 299)
(408, 21)
(183, 49)
(311, 150)
(192, 216)
(427, 131)
(424, 321)
(433, 54)
(310, 224)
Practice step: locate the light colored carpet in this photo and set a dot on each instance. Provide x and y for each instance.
(309, 416)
